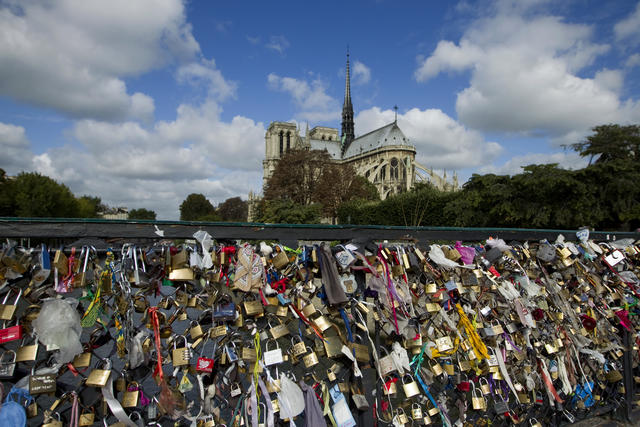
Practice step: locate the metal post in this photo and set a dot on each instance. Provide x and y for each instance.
(627, 365)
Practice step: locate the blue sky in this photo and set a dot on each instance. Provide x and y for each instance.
(142, 103)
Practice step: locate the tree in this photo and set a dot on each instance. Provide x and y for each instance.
(88, 206)
(34, 195)
(287, 212)
(307, 177)
(196, 207)
(142, 214)
(611, 142)
(234, 209)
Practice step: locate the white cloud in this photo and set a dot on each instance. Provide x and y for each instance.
(633, 61)
(629, 28)
(205, 73)
(440, 141)
(565, 160)
(278, 43)
(309, 97)
(73, 56)
(361, 73)
(156, 167)
(15, 149)
(525, 75)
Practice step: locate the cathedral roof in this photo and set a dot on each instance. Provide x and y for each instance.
(381, 137)
(333, 147)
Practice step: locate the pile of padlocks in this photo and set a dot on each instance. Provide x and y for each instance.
(205, 333)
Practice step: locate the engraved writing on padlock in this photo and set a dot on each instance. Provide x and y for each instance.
(42, 383)
(272, 357)
(86, 419)
(416, 412)
(310, 359)
(298, 348)
(279, 331)
(195, 330)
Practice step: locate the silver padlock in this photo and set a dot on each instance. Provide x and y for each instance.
(7, 366)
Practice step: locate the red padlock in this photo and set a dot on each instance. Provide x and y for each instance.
(464, 386)
(11, 333)
(204, 364)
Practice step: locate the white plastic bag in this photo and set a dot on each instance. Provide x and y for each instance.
(58, 325)
(290, 398)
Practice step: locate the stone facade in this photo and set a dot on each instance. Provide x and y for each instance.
(384, 156)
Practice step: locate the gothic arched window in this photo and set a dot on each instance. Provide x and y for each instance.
(288, 140)
(393, 170)
(281, 142)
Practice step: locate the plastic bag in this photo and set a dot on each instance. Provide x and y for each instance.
(466, 254)
(58, 325)
(290, 398)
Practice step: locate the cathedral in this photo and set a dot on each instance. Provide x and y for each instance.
(384, 156)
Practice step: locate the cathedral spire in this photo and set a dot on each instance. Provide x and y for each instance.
(347, 112)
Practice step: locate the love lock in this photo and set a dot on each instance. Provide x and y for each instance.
(410, 388)
(7, 367)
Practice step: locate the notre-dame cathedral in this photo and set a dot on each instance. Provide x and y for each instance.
(384, 156)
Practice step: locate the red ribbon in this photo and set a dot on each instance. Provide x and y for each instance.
(280, 286)
(548, 383)
(153, 312)
(306, 321)
(388, 383)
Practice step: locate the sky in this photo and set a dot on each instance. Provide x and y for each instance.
(142, 103)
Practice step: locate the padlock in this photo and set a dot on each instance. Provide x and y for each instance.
(27, 352)
(131, 395)
(218, 331)
(309, 310)
(278, 331)
(82, 360)
(401, 416)
(249, 354)
(180, 356)
(253, 308)
(195, 330)
(310, 359)
(436, 368)
(410, 388)
(52, 422)
(389, 386)
(484, 387)
(297, 348)
(205, 364)
(7, 366)
(32, 409)
(322, 323)
(280, 260)
(386, 364)
(7, 310)
(10, 333)
(534, 423)
(272, 357)
(235, 390)
(99, 377)
(41, 383)
(140, 303)
(331, 376)
(361, 350)
(416, 411)
(87, 418)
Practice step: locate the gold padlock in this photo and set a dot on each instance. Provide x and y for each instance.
(180, 356)
(298, 348)
(7, 310)
(27, 353)
(416, 411)
(249, 354)
(51, 422)
(279, 330)
(130, 397)
(401, 416)
(436, 368)
(86, 419)
(99, 377)
(410, 388)
(253, 308)
(195, 330)
(389, 386)
(310, 359)
(322, 323)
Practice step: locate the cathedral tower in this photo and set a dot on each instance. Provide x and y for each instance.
(347, 113)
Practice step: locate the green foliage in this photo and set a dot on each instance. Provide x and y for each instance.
(233, 209)
(34, 195)
(611, 142)
(424, 205)
(288, 212)
(88, 206)
(142, 214)
(196, 207)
